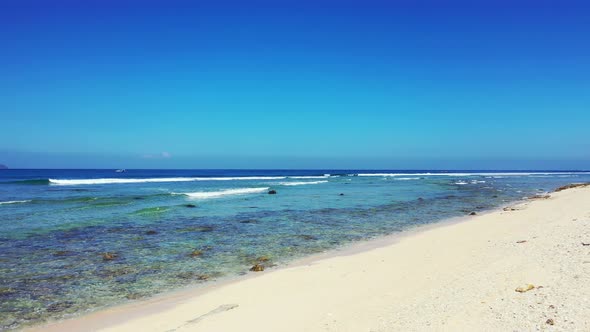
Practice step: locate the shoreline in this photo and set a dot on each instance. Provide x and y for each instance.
(141, 313)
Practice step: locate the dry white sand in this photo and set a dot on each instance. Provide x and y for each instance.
(457, 277)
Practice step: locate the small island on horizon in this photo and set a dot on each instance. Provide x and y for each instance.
(2, 166)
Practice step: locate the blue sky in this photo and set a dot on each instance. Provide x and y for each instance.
(295, 84)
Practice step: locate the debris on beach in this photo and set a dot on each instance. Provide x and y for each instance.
(510, 208)
(524, 289)
(550, 321)
(133, 296)
(571, 185)
(585, 244)
(540, 197)
(257, 268)
(521, 241)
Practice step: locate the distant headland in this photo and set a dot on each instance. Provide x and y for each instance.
(3, 166)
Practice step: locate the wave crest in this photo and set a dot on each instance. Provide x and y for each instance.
(72, 182)
(15, 202)
(300, 183)
(221, 193)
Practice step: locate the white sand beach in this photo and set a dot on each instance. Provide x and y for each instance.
(459, 276)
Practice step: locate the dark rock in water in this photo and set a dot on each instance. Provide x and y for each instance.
(138, 198)
(272, 192)
(109, 256)
(61, 253)
(248, 221)
(196, 253)
(190, 205)
(197, 229)
(494, 196)
(6, 291)
(117, 272)
(151, 232)
(420, 199)
(341, 194)
(193, 275)
(59, 306)
(572, 185)
(3, 166)
(263, 259)
(186, 275)
(307, 237)
(257, 268)
(473, 213)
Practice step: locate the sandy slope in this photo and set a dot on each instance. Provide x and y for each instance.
(458, 277)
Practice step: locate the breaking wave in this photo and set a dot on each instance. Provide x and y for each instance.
(222, 193)
(300, 183)
(72, 182)
(14, 202)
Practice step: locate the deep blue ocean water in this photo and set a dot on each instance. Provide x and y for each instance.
(170, 228)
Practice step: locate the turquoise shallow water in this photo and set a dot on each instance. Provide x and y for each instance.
(169, 229)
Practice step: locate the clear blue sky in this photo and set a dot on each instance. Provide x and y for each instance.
(295, 84)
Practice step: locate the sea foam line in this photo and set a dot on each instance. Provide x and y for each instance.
(325, 176)
(221, 193)
(14, 202)
(72, 182)
(300, 183)
(472, 174)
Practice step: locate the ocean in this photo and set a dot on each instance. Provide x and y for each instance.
(73, 241)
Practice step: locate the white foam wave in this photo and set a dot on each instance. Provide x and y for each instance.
(14, 202)
(221, 193)
(461, 183)
(301, 183)
(491, 174)
(406, 179)
(68, 182)
(412, 174)
(311, 177)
